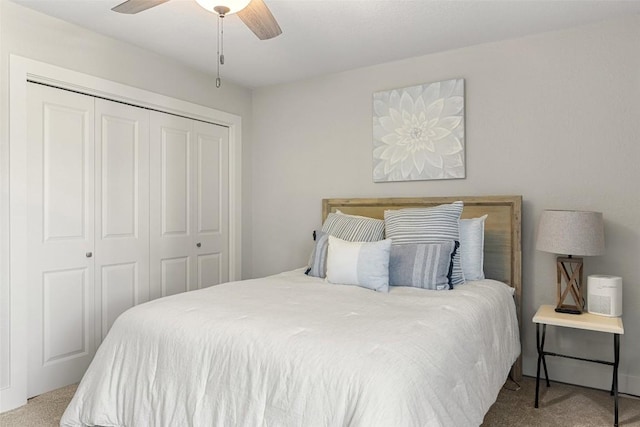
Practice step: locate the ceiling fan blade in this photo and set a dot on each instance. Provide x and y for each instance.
(259, 19)
(135, 6)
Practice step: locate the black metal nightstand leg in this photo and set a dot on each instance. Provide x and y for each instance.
(546, 374)
(616, 361)
(541, 359)
(544, 359)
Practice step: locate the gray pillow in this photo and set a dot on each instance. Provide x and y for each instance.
(427, 225)
(424, 266)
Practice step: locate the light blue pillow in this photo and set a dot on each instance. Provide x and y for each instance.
(427, 225)
(472, 247)
(363, 264)
(425, 266)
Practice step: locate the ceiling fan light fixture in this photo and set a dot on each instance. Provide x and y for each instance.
(234, 6)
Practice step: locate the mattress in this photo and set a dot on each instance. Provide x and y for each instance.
(293, 350)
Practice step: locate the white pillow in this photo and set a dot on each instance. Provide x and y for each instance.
(363, 264)
(472, 247)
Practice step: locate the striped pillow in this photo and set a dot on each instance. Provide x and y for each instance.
(427, 225)
(354, 228)
(425, 266)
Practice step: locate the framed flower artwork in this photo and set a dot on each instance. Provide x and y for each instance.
(418, 132)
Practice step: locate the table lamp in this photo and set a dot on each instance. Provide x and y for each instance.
(569, 233)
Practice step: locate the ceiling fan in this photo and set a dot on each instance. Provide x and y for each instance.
(254, 13)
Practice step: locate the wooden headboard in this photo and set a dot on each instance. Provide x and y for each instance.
(502, 235)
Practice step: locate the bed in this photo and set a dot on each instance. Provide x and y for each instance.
(293, 350)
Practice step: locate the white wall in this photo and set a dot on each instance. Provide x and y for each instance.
(553, 117)
(33, 35)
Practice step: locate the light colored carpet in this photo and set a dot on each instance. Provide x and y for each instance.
(41, 411)
(561, 405)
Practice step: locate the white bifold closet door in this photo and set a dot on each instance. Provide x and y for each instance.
(88, 220)
(189, 204)
(122, 210)
(60, 165)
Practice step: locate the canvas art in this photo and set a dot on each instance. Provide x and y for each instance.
(418, 132)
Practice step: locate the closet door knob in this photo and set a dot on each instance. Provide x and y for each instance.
(199, 244)
(89, 254)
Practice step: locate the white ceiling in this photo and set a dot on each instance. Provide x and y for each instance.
(326, 36)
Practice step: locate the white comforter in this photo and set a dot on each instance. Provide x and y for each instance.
(291, 350)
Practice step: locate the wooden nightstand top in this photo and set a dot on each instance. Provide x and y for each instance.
(547, 315)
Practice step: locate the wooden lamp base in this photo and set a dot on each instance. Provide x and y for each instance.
(569, 279)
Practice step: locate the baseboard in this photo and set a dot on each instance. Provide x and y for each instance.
(630, 384)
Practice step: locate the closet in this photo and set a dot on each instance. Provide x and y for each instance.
(124, 205)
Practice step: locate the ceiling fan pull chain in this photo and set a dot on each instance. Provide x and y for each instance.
(219, 58)
(221, 39)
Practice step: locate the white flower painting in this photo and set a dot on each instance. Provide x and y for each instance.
(418, 132)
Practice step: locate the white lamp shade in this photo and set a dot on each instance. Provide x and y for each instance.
(578, 233)
(233, 5)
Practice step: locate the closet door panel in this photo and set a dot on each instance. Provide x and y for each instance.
(122, 206)
(63, 161)
(209, 191)
(175, 275)
(210, 270)
(172, 216)
(212, 229)
(176, 164)
(63, 304)
(120, 176)
(120, 289)
(60, 218)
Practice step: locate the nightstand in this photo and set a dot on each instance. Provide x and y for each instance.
(546, 315)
